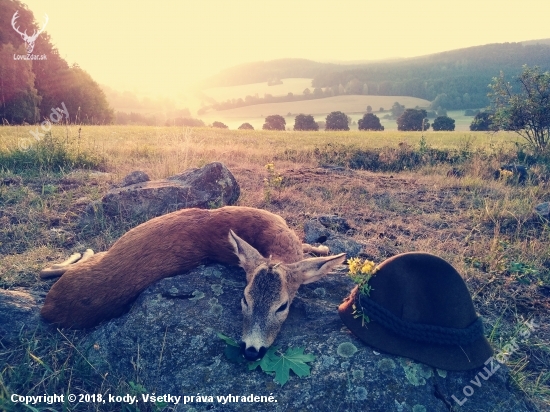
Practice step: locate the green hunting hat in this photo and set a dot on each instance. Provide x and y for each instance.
(419, 307)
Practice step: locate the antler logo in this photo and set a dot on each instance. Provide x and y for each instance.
(28, 39)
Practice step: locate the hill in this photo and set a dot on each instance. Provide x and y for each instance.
(265, 71)
(460, 75)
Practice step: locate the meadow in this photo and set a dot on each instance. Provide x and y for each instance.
(392, 187)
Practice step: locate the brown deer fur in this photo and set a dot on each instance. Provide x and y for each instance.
(103, 286)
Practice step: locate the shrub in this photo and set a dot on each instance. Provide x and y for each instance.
(413, 120)
(483, 122)
(444, 123)
(337, 121)
(219, 125)
(305, 122)
(246, 126)
(370, 122)
(274, 122)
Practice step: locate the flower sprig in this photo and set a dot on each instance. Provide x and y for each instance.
(361, 271)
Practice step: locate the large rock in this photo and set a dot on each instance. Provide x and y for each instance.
(208, 187)
(169, 340)
(19, 311)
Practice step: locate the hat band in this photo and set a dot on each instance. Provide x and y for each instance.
(421, 332)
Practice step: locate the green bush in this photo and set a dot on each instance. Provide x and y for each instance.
(50, 153)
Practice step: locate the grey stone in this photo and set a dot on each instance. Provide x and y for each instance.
(335, 223)
(19, 311)
(340, 244)
(543, 209)
(315, 232)
(170, 341)
(135, 177)
(208, 187)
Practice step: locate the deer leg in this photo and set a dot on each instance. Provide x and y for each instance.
(318, 250)
(59, 268)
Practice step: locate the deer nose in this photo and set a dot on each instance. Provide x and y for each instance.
(251, 353)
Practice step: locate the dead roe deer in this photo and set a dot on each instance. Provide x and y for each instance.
(101, 286)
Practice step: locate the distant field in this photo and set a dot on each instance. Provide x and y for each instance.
(352, 105)
(291, 85)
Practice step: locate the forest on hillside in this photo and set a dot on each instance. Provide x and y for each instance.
(459, 79)
(31, 89)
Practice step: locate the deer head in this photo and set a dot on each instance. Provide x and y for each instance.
(270, 288)
(28, 39)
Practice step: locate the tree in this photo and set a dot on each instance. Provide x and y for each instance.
(443, 123)
(274, 122)
(307, 92)
(526, 112)
(305, 122)
(483, 122)
(337, 121)
(397, 110)
(369, 109)
(18, 98)
(413, 120)
(246, 126)
(440, 101)
(441, 111)
(370, 122)
(354, 86)
(219, 125)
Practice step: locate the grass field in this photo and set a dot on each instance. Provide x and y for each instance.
(401, 200)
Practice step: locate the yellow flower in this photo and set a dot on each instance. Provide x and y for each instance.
(368, 267)
(354, 265)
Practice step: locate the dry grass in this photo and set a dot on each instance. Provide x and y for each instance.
(485, 228)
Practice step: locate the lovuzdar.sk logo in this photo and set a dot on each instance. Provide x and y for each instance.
(29, 40)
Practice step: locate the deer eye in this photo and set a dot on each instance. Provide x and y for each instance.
(283, 307)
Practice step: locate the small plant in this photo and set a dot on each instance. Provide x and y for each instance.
(522, 272)
(273, 181)
(274, 361)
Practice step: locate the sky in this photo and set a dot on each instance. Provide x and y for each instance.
(164, 47)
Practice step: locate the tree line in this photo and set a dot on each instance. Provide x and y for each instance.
(30, 89)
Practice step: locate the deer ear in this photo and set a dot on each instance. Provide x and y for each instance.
(313, 269)
(249, 257)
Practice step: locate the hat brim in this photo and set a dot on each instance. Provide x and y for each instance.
(446, 357)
